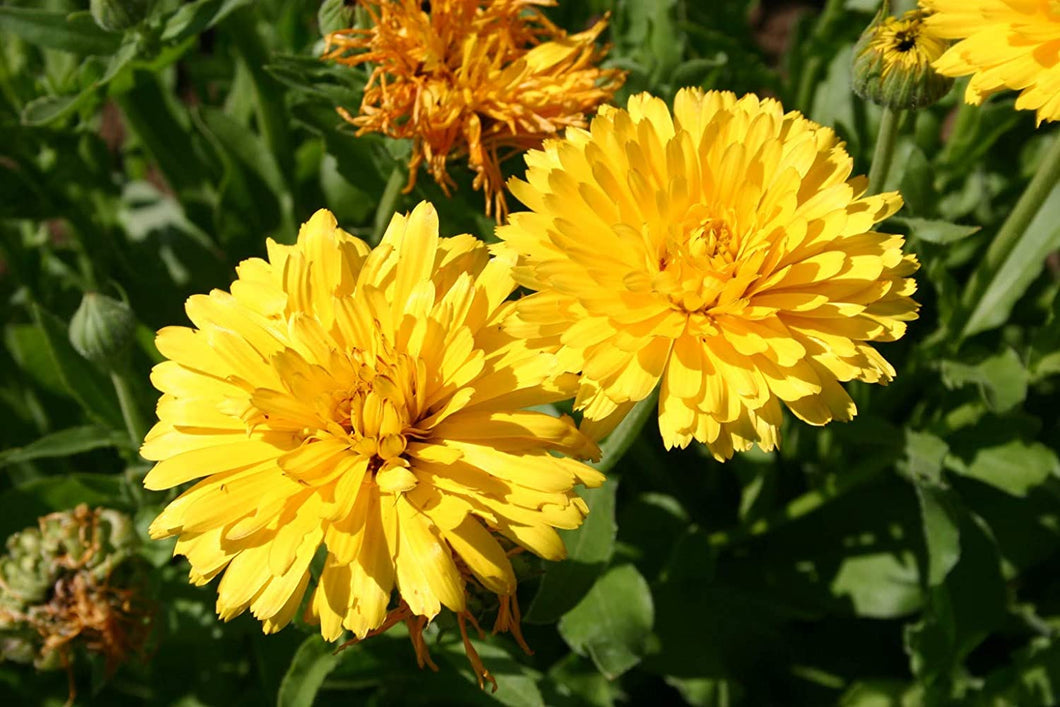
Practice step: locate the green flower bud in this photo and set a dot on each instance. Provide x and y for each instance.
(102, 330)
(119, 15)
(892, 63)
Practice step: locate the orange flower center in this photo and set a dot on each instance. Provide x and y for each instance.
(700, 257)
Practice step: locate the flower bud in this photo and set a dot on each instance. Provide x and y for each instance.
(102, 329)
(119, 15)
(892, 63)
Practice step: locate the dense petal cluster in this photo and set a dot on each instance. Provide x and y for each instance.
(723, 250)
(472, 77)
(1004, 44)
(367, 402)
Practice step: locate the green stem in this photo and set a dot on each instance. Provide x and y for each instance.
(884, 152)
(615, 446)
(130, 410)
(1043, 182)
(385, 210)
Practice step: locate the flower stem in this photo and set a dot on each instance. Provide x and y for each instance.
(622, 437)
(385, 210)
(130, 410)
(884, 152)
(1043, 182)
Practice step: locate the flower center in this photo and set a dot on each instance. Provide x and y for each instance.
(700, 256)
(375, 411)
(904, 40)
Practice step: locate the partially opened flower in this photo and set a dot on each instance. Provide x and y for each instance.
(724, 251)
(367, 403)
(1004, 44)
(892, 63)
(479, 78)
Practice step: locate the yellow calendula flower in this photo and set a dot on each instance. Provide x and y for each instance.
(892, 63)
(481, 78)
(369, 403)
(724, 251)
(1004, 44)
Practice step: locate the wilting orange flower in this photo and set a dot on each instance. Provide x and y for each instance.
(1004, 44)
(472, 77)
(366, 402)
(724, 251)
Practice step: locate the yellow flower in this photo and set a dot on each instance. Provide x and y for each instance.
(724, 251)
(892, 63)
(482, 78)
(1004, 44)
(369, 403)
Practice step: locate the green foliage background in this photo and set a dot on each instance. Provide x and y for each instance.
(909, 557)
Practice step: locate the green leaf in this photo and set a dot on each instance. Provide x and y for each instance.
(45, 109)
(334, 15)
(917, 185)
(1002, 379)
(83, 381)
(247, 148)
(962, 611)
(975, 131)
(516, 683)
(1014, 467)
(195, 17)
(612, 623)
(924, 454)
(1044, 358)
(589, 548)
(1033, 678)
(940, 517)
(28, 346)
(76, 33)
(881, 693)
(939, 232)
(707, 692)
(881, 585)
(1021, 266)
(577, 677)
(162, 125)
(64, 443)
(311, 664)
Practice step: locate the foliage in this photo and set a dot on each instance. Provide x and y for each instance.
(908, 557)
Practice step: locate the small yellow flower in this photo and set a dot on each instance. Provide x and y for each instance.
(369, 403)
(724, 251)
(1004, 44)
(892, 63)
(481, 78)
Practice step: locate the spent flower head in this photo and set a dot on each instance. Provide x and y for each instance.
(71, 584)
(724, 252)
(475, 78)
(369, 403)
